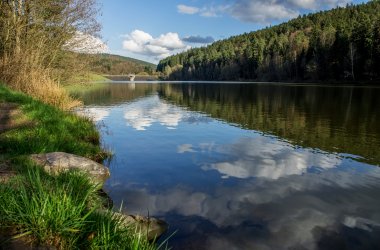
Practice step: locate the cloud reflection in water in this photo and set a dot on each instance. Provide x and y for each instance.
(285, 206)
(143, 113)
(270, 158)
(294, 211)
(94, 113)
(276, 196)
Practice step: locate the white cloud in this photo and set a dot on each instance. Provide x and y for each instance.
(314, 4)
(142, 43)
(306, 4)
(205, 11)
(261, 11)
(85, 43)
(169, 40)
(184, 9)
(140, 36)
(132, 46)
(214, 11)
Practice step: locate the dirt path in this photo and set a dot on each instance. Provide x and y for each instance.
(11, 117)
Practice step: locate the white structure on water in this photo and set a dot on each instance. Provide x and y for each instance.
(131, 77)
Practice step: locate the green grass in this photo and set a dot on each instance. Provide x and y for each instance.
(51, 130)
(88, 77)
(86, 82)
(63, 210)
(83, 87)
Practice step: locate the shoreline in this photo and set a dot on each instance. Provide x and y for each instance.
(37, 207)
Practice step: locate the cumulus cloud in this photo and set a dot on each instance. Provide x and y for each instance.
(205, 11)
(199, 39)
(306, 4)
(143, 43)
(314, 4)
(261, 11)
(184, 9)
(85, 43)
(170, 41)
(214, 11)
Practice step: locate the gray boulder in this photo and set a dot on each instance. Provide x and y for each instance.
(150, 227)
(57, 162)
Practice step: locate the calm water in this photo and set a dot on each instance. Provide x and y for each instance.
(246, 166)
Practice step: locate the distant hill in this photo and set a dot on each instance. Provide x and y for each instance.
(109, 64)
(341, 44)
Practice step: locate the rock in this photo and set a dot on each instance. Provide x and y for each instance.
(56, 162)
(107, 202)
(6, 171)
(151, 227)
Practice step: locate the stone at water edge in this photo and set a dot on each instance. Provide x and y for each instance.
(151, 227)
(57, 162)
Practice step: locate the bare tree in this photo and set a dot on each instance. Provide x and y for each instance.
(34, 35)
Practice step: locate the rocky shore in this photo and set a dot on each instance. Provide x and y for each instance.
(57, 162)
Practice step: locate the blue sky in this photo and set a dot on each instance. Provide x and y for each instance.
(152, 29)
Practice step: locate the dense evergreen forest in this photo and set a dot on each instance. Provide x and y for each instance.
(342, 44)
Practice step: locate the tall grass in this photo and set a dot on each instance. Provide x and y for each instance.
(62, 211)
(25, 73)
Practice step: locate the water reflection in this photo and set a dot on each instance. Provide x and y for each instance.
(335, 119)
(94, 113)
(270, 158)
(292, 212)
(247, 167)
(143, 113)
(113, 93)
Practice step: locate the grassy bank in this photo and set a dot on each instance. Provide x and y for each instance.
(59, 211)
(86, 82)
(47, 129)
(88, 78)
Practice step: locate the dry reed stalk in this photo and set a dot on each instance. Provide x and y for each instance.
(24, 73)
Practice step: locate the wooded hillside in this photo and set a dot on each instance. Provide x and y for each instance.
(117, 65)
(340, 44)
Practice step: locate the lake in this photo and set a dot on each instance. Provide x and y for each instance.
(245, 165)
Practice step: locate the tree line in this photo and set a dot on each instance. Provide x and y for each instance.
(340, 44)
(109, 64)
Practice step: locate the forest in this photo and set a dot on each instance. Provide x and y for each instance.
(342, 44)
(109, 64)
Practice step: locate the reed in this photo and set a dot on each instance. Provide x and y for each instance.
(25, 73)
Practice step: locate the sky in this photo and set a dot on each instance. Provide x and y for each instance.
(151, 30)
